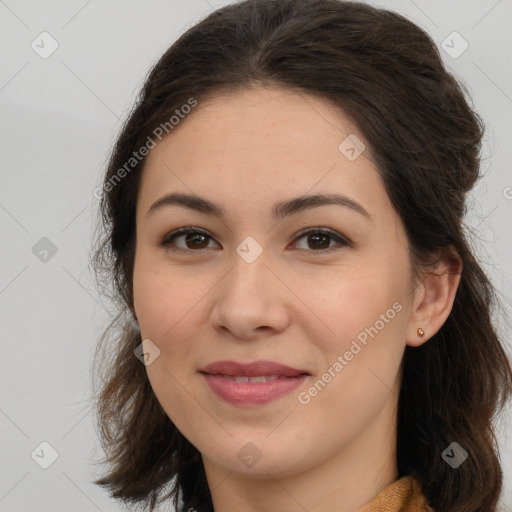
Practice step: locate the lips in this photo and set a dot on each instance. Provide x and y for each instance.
(255, 369)
(252, 384)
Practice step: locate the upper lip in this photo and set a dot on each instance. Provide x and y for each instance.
(253, 369)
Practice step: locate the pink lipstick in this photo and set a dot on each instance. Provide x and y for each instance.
(254, 383)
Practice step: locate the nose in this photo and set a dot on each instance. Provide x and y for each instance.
(251, 300)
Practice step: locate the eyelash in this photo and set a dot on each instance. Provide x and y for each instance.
(167, 240)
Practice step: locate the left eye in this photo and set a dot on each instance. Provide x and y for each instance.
(198, 239)
(318, 237)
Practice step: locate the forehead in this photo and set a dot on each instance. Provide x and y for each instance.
(275, 118)
(263, 144)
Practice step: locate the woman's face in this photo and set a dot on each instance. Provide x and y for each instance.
(260, 283)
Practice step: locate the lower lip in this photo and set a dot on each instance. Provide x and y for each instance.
(252, 393)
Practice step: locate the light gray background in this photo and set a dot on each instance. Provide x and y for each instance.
(59, 117)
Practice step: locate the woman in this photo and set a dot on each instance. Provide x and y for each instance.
(308, 329)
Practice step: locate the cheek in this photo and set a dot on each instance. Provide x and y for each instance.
(362, 354)
(162, 298)
(164, 305)
(360, 304)
(170, 306)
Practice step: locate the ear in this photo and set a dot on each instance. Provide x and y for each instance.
(433, 299)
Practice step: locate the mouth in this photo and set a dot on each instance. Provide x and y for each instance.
(252, 384)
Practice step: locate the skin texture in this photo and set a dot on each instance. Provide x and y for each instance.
(299, 303)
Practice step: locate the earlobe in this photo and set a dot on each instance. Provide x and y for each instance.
(435, 297)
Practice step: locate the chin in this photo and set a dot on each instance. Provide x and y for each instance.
(258, 458)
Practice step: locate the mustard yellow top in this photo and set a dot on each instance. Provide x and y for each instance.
(404, 495)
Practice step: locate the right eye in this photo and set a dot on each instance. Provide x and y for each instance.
(194, 236)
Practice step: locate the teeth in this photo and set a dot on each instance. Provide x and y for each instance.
(259, 379)
(255, 379)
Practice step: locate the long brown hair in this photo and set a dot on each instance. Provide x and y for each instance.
(388, 77)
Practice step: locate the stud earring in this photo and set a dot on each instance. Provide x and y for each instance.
(421, 332)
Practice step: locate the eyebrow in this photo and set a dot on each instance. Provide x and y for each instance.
(279, 211)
